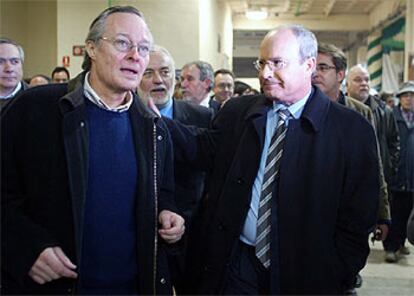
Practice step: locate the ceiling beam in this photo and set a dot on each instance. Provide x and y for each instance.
(328, 7)
(350, 5)
(312, 22)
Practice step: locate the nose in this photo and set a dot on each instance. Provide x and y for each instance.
(266, 72)
(156, 78)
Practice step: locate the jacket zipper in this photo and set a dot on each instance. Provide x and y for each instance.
(156, 208)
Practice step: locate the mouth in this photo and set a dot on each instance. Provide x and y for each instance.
(158, 91)
(129, 71)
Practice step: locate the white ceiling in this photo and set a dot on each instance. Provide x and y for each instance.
(305, 8)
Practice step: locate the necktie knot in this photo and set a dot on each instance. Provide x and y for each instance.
(283, 114)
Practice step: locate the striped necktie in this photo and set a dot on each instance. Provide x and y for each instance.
(273, 159)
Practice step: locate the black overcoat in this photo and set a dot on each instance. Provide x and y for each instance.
(326, 201)
(44, 165)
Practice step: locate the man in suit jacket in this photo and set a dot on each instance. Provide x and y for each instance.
(157, 85)
(11, 72)
(223, 88)
(87, 176)
(324, 198)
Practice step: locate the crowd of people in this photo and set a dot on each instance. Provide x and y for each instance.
(129, 180)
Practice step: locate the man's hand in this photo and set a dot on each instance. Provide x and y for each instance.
(154, 108)
(381, 232)
(52, 264)
(172, 226)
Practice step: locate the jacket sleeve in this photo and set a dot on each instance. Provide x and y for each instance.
(410, 228)
(393, 140)
(22, 240)
(359, 204)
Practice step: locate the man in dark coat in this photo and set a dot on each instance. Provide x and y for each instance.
(402, 185)
(324, 197)
(157, 85)
(11, 72)
(87, 177)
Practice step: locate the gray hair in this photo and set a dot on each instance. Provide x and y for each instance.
(159, 48)
(12, 42)
(97, 28)
(206, 71)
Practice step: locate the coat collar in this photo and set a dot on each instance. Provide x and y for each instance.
(314, 113)
(76, 98)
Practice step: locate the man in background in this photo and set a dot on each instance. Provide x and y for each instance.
(11, 71)
(60, 75)
(197, 79)
(223, 88)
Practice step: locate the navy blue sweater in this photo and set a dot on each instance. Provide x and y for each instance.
(109, 260)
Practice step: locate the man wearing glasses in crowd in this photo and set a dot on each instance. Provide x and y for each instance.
(291, 199)
(87, 176)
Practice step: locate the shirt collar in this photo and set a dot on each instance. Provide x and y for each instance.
(294, 109)
(14, 92)
(94, 98)
(205, 101)
(167, 109)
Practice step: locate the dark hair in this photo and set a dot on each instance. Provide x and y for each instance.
(5, 40)
(240, 87)
(97, 28)
(43, 76)
(206, 71)
(224, 71)
(337, 55)
(60, 69)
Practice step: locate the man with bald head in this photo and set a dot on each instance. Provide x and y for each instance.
(357, 85)
(291, 198)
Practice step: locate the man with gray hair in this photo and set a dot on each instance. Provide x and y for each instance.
(11, 71)
(291, 198)
(197, 79)
(87, 186)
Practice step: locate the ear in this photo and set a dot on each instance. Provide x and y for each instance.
(90, 48)
(340, 75)
(207, 83)
(310, 65)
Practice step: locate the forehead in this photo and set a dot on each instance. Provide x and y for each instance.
(9, 51)
(280, 44)
(224, 77)
(60, 74)
(159, 59)
(191, 70)
(128, 24)
(359, 72)
(324, 58)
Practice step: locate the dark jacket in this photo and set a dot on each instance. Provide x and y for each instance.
(43, 187)
(404, 179)
(387, 134)
(189, 183)
(5, 104)
(327, 195)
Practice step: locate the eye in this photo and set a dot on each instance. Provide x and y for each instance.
(15, 61)
(143, 49)
(165, 72)
(277, 63)
(122, 44)
(148, 74)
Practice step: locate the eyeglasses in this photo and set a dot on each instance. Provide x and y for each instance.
(225, 85)
(324, 68)
(274, 65)
(125, 45)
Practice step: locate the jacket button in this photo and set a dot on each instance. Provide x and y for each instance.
(69, 290)
(82, 124)
(240, 181)
(159, 138)
(163, 281)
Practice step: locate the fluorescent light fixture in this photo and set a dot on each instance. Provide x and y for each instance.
(256, 15)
